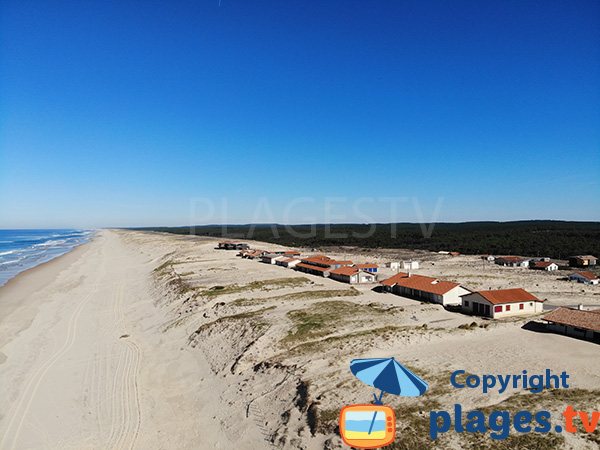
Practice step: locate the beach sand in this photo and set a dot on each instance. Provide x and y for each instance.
(153, 341)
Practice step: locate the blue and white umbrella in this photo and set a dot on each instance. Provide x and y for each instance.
(388, 375)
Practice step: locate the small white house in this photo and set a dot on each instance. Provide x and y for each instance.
(271, 258)
(487, 257)
(352, 275)
(404, 265)
(545, 265)
(290, 263)
(584, 277)
(501, 303)
(395, 266)
(511, 261)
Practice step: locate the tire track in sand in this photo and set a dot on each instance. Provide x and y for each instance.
(32, 386)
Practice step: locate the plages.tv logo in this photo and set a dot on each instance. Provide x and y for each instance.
(501, 422)
(374, 425)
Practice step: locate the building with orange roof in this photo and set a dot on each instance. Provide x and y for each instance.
(425, 288)
(322, 271)
(545, 265)
(271, 258)
(352, 275)
(575, 322)
(584, 277)
(501, 303)
(287, 262)
(511, 261)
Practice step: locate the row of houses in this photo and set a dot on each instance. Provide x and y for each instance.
(495, 304)
(542, 264)
(320, 265)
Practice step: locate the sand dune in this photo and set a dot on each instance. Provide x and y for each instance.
(150, 341)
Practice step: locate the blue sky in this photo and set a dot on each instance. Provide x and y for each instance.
(144, 113)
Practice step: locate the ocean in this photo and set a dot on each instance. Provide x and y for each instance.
(23, 249)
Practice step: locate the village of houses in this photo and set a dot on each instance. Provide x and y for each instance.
(401, 278)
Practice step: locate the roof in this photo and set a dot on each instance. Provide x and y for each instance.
(510, 258)
(271, 255)
(502, 296)
(289, 260)
(542, 264)
(291, 253)
(310, 266)
(421, 283)
(394, 279)
(589, 275)
(332, 262)
(367, 266)
(345, 271)
(575, 317)
(454, 253)
(318, 259)
(427, 284)
(584, 257)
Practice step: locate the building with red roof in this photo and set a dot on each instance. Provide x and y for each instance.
(575, 322)
(502, 303)
(425, 288)
(313, 269)
(287, 262)
(584, 277)
(352, 275)
(511, 261)
(545, 265)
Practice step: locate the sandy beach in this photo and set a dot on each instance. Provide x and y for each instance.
(153, 341)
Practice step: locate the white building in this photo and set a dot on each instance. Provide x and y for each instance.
(584, 277)
(511, 261)
(352, 275)
(501, 303)
(545, 265)
(403, 265)
(290, 263)
(271, 258)
(425, 288)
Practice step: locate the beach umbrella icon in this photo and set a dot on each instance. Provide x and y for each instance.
(388, 375)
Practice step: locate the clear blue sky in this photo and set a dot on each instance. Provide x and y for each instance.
(119, 113)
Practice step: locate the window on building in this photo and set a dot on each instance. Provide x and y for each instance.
(497, 308)
(521, 306)
(508, 307)
(466, 303)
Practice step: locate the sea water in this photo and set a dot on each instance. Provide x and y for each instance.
(358, 424)
(23, 249)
